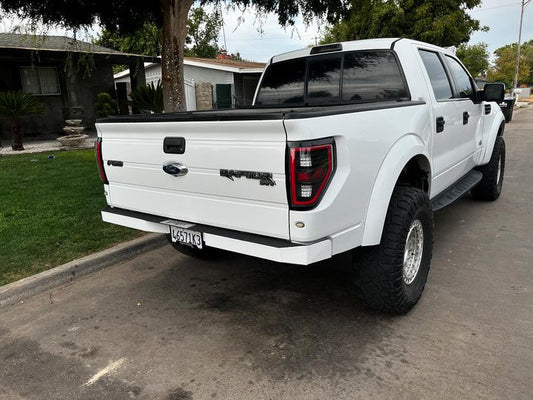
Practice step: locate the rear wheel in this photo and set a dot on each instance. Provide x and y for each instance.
(490, 187)
(391, 276)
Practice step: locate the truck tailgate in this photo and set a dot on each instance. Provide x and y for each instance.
(133, 157)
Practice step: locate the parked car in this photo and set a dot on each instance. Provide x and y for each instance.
(507, 106)
(348, 146)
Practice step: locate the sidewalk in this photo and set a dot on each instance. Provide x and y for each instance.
(40, 146)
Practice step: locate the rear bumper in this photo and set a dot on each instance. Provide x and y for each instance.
(273, 249)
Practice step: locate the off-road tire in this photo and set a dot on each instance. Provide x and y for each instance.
(205, 253)
(378, 269)
(490, 187)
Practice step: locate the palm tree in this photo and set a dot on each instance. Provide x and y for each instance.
(15, 105)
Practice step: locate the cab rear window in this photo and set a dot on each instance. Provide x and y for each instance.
(283, 84)
(351, 77)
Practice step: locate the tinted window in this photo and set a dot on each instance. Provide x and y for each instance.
(461, 78)
(324, 79)
(437, 75)
(366, 76)
(283, 84)
(371, 76)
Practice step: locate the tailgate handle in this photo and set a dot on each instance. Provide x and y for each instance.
(175, 169)
(174, 145)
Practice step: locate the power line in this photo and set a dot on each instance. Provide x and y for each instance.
(306, 38)
(495, 7)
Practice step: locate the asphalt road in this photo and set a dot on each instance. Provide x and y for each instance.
(166, 327)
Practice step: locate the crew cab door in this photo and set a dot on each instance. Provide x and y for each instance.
(470, 110)
(453, 145)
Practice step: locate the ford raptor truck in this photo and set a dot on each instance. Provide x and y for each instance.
(348, 146)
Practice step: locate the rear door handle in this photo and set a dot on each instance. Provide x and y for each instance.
(440, 124)
(465, 117)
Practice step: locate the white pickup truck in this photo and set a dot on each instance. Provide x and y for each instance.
(347, 146)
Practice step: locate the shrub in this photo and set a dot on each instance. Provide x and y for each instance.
(148, 98)
(105, 105)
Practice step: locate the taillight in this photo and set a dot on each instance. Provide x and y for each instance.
(100, 160)
(311, 168)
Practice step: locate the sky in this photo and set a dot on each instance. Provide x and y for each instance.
(501, 16)
(259, 39)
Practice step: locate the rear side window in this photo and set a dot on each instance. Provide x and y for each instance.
(354, 77)
(437, 75)
(283, 84)
(372, 76)
(462, 80)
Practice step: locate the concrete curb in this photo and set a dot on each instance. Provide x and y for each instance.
(32, 285)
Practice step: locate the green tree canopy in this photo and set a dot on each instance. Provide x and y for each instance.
(475, 57)
(146, 40)
(441, 22)
(172, 15)
(202, 34)
(504, 67)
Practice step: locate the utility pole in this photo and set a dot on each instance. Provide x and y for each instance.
(224, 31)
(524, 4)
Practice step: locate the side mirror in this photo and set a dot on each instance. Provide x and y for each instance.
(494, 92)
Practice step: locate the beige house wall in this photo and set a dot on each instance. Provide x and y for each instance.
(204, 96)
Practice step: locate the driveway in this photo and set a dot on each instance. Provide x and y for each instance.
(163, 326)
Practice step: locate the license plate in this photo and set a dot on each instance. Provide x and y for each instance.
(186, 237)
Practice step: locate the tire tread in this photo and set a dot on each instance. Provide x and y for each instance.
(488, 188)
(379, 279)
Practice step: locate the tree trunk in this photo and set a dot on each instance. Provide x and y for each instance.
(175, 13)
(17, 135)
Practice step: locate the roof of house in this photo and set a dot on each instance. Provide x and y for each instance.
(57, 43)
(228, 62)
(242, 67)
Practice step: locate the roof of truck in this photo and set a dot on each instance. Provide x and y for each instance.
(366, 44)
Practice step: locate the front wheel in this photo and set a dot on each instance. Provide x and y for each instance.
(391, 276)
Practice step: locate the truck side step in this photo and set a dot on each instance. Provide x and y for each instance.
(457, 190)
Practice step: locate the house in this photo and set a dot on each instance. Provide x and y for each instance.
(64, 73)
(211, 83)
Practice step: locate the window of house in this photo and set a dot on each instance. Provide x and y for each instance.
(462, 80)
(40, 80)
(437, 75)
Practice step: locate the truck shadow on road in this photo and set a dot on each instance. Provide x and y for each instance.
(282, 321)
(293, 321)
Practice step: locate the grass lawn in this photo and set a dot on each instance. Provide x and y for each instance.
(50, 212)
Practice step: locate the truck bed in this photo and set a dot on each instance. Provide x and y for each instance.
(259, 113)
